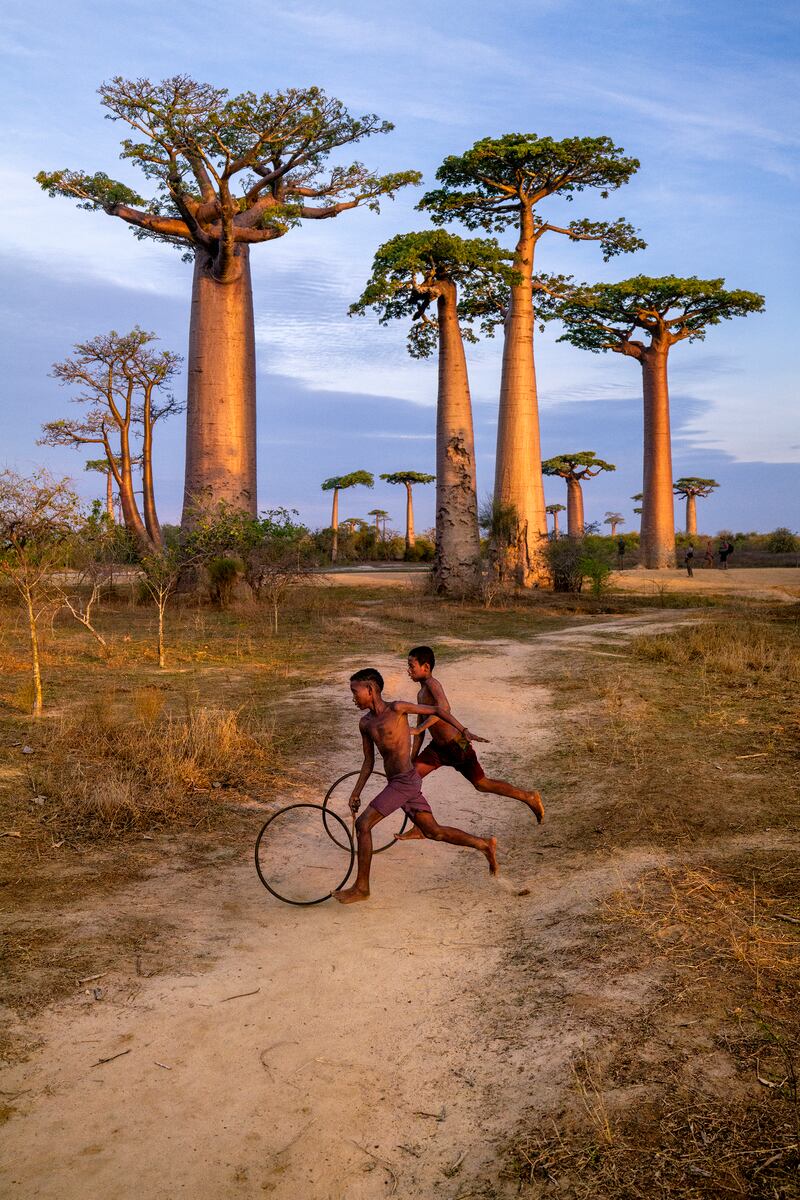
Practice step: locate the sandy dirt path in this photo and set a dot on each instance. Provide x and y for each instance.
(390, 1046)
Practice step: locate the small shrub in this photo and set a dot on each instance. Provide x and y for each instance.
(222, 576)
(422, 551)
(597, 570)
(783, 541)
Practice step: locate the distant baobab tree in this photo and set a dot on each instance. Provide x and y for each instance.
(554, 510)
(102, 466)
(409, 479)
(666, 310)
(444, 285)
(501, 183)
(228, 172)
(124, 383)
(614, 519)
(574, 468)
(341, 483)
(691, 487)
(381, 517)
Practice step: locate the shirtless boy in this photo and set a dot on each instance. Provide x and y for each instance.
(385, 725)
(447, 747)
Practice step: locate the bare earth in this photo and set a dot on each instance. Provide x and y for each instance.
(386, 1050)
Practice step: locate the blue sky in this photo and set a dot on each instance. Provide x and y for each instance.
(706, 95)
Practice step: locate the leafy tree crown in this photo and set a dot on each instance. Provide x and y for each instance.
(691, 485)
(228, 169)
(488, 185)
(556, 508)
(408, 477)
(583, 465)
(354, 479)
(412, 270)
(668, 309)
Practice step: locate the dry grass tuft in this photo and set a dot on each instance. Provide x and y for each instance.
(746, 651)
(102, 774)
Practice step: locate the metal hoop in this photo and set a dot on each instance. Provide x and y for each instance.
(346, 846)
(326, 810)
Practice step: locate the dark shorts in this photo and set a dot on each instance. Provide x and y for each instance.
(457, 754)
(403, 791)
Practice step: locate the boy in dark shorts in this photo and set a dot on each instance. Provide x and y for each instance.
(385, 725)
(446, 747)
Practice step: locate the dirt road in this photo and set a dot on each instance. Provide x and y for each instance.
(388, 1048)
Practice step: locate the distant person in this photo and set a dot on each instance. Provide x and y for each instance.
(725, 550)
(621, 554)
(688, 560)
(708, 560)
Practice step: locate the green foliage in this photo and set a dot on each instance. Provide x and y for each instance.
(354, 479)
(691, 485)
(783, 541)
(499, 521)
(412, 270)
(605, 316)
(556, 508)
(258, 159)
(423, 550)
(408, 477)
(222, 575)
(583, 465)
(597, 570)
(574, 560)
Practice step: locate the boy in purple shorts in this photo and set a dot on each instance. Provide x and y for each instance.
(385, 725)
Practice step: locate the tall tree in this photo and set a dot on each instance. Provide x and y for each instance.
(690, 486)
(643, 318)
(381, 517)
(614, 519)
(574, 468)
(445, 286)
(499, 183)
(121, 379)
(409, 479)
(103, 467)
(227, 172)
(341, 483)
(554, 510)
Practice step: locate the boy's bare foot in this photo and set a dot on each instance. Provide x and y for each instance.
(491, 854)
(411, 835)
(536, 807)
(351, 896)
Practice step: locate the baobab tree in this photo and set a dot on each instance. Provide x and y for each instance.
(341, 483)
(381, 517)
(574, 468)
(103, 467)
(614, 519)
(643, 318)
(409, 479)
(228, 172)
(124, 383)
(554, 510)
(691, 487)
(500, 183)
(445, 286)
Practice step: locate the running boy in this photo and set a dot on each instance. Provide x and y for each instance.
(385, 725)
(447, 747)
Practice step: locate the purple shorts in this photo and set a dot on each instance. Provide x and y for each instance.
(403, 791)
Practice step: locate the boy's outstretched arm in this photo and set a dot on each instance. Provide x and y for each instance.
(430, 710)
(366, 770)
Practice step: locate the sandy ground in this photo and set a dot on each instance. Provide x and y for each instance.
(763, 583)
(388, 1048)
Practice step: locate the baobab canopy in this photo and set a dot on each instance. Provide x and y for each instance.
(582, 465)
(227, 172)
(691, 485)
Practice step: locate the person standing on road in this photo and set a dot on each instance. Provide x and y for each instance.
(725, 549)
(708, 561)
(621, 554)
(688, 560)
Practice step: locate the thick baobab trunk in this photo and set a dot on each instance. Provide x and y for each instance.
(335, 525)
(575, 520)
(658, 506)
(110, 496)
(221, 397)
(456, 567)
(518, 465)
(614, 529)
(555, 525)
(410, 535)
(691, 516)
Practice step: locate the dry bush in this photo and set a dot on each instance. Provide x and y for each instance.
(103, 775)
(744, 650)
